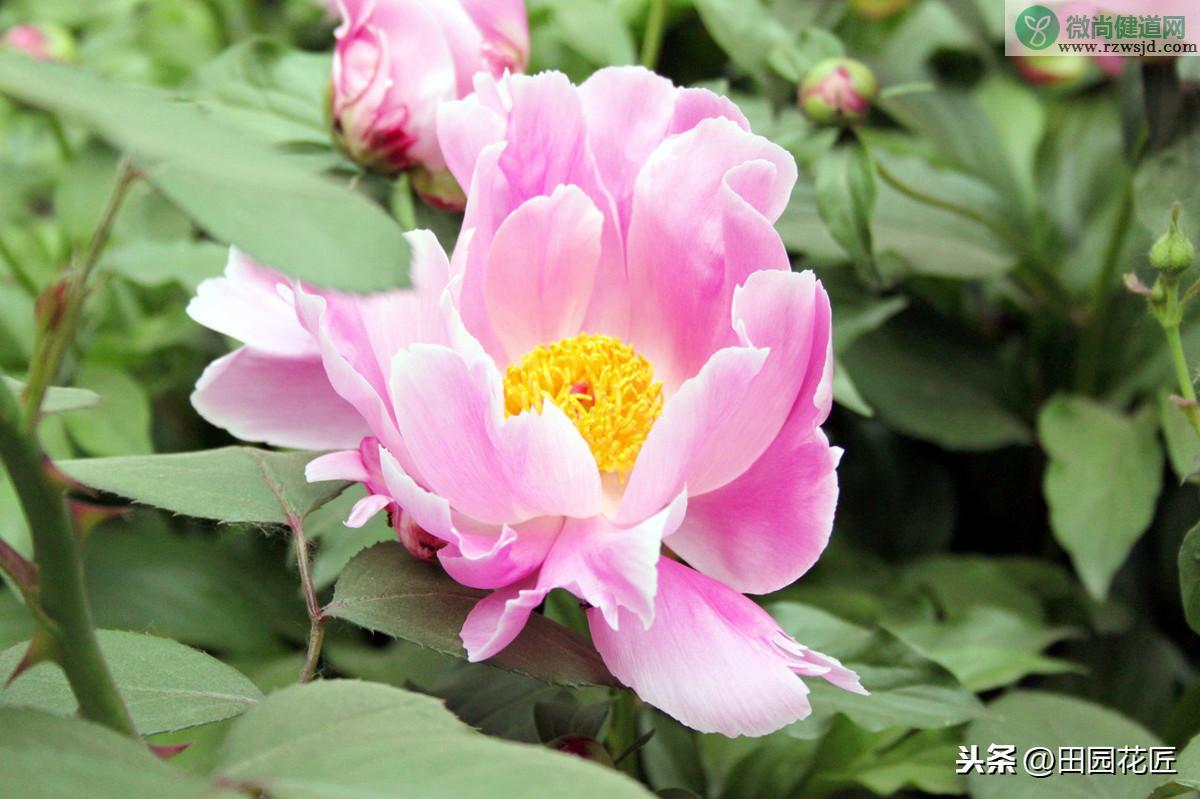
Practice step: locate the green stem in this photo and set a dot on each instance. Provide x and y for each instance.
(1038, 268)
(60, 593)
(316, 616)
(652, 40)
(623, 731)
(54, 344)
(1183, 374)
(1102, 292)
(404, 204)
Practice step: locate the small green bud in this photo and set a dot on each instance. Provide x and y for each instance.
(838, 91)
(1173, 252)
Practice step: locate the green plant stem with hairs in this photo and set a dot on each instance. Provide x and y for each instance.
(61, 602)
(53, 586)
(57, 339)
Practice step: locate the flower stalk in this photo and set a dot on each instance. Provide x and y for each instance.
(1172, 255)
(61, 602)
(56, 338)
(316, 615)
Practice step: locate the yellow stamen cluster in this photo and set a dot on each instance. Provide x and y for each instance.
(602, 385)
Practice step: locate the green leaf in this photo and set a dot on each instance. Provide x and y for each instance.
(516, 707)
(48, 757)
(593, 29)
(985, 647)
(233, 484)
(57, 399)
(342, 738)
(1167, 177)
(1189, 577)
(166, 685)
(1102, 483)
(237, 188)
(906, 688)
(387, 590)
(265, 87)
(745, 31)
(217, 594)
(1030, 718)
(337, 543)
(155, 263)
(845, 186)
(936, 387)
(1183, 445)
(962, 132)
(120, 425)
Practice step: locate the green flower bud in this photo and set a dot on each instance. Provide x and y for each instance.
(1173, 251)
(838, 91)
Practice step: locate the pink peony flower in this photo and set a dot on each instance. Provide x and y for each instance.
(616, 374)
(394, 62)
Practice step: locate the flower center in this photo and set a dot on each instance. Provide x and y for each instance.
(603, 386)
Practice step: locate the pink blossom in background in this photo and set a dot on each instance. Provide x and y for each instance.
(28, 38)
(614, 386)
(395, 60)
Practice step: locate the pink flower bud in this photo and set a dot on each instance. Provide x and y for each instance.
(396, 60)
(44, 42)
(838, 91)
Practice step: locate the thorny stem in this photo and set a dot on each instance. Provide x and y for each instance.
(316, 616)
(652, 40)
(53, 346)
(62, 604)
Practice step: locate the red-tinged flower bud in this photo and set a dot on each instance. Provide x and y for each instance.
(1173, 252)
(419, 543)
(1043, 70)
(838, 91)
(587, 748)
(878, 9)
(396, 60)
(44, 41)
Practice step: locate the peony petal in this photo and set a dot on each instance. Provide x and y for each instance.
(722, 420)
(246, 305)
(498, 618)
(611, 567)
(366, 508)
(762, 531)
(344, 465)
(465, 128)
(712, 659)
(695, 234)
(629, 112)
(541, 269)
(495, 470)
(285, 402)
(476, 556)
